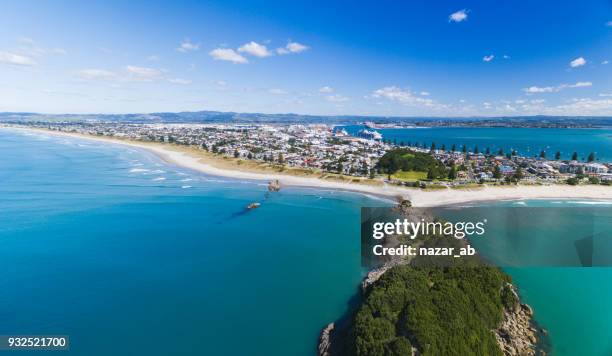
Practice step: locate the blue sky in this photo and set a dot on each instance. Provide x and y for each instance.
(407, 58)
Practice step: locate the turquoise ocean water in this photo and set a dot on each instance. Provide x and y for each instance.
(526, 141)
(129, 255)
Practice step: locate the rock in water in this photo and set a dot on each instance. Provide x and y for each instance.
(274, 185)
(324, 348)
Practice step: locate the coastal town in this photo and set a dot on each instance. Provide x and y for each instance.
(326, 148)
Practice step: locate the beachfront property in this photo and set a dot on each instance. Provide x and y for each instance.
(311, 146)
(328, 149)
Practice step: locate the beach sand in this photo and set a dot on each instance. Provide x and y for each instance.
(207, 163)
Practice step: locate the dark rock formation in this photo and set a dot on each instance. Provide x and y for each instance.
(324, 348)
(274, 185)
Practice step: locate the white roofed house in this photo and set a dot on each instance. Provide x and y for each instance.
(595, 168)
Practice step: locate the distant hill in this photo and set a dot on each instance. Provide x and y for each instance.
(234, 117)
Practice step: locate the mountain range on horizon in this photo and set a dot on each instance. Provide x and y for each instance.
(238, 117)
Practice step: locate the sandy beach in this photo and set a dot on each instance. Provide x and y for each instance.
(191, 159)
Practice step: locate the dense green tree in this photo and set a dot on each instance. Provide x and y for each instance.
(518, 174)
(591, 157)
(542, 154)
(453, 148)
(594, 180)
(439, 311)
(572, 181)
(558, 155)
(431, 173)
(575, 156)
(452, 173)
(408, 160)
(497, 174)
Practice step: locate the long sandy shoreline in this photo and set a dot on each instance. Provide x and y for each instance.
(418, 197)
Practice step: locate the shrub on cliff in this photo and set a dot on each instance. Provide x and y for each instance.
(440, 311)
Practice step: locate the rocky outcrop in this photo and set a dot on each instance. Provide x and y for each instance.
(274, 185)
(516, 335)
(324, 348)
(376, 273)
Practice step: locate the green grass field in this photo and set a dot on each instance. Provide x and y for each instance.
(409, 176)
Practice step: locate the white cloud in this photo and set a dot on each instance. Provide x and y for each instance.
(153, 58)
(59, 51)
(505, 56)
(180, 81)
(143, 73)
(535, 89)
(578, 62)
(227, 54)
(292, 47)
(129, 73)
(488, 58)
(295, 47)
(458, 16)
(584, 106)
(326, 89)
(405, 97)
(424, 93)
(96, 74)
(188, 46)
(609, 23)
(255, 49)
(277, 91)
(221, 83)
(558, 88)
(605, 62)
(16, 59)
(336, 98)
(580, 85)
(605, 95)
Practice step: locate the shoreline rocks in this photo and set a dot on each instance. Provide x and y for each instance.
(517, 335)
(324, 348)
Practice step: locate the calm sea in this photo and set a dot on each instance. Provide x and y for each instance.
(129, 255)
(526, 141)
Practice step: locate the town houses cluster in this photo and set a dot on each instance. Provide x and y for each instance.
(311, 146)
(331, 149)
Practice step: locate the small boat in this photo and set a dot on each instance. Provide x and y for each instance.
(253, 206)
